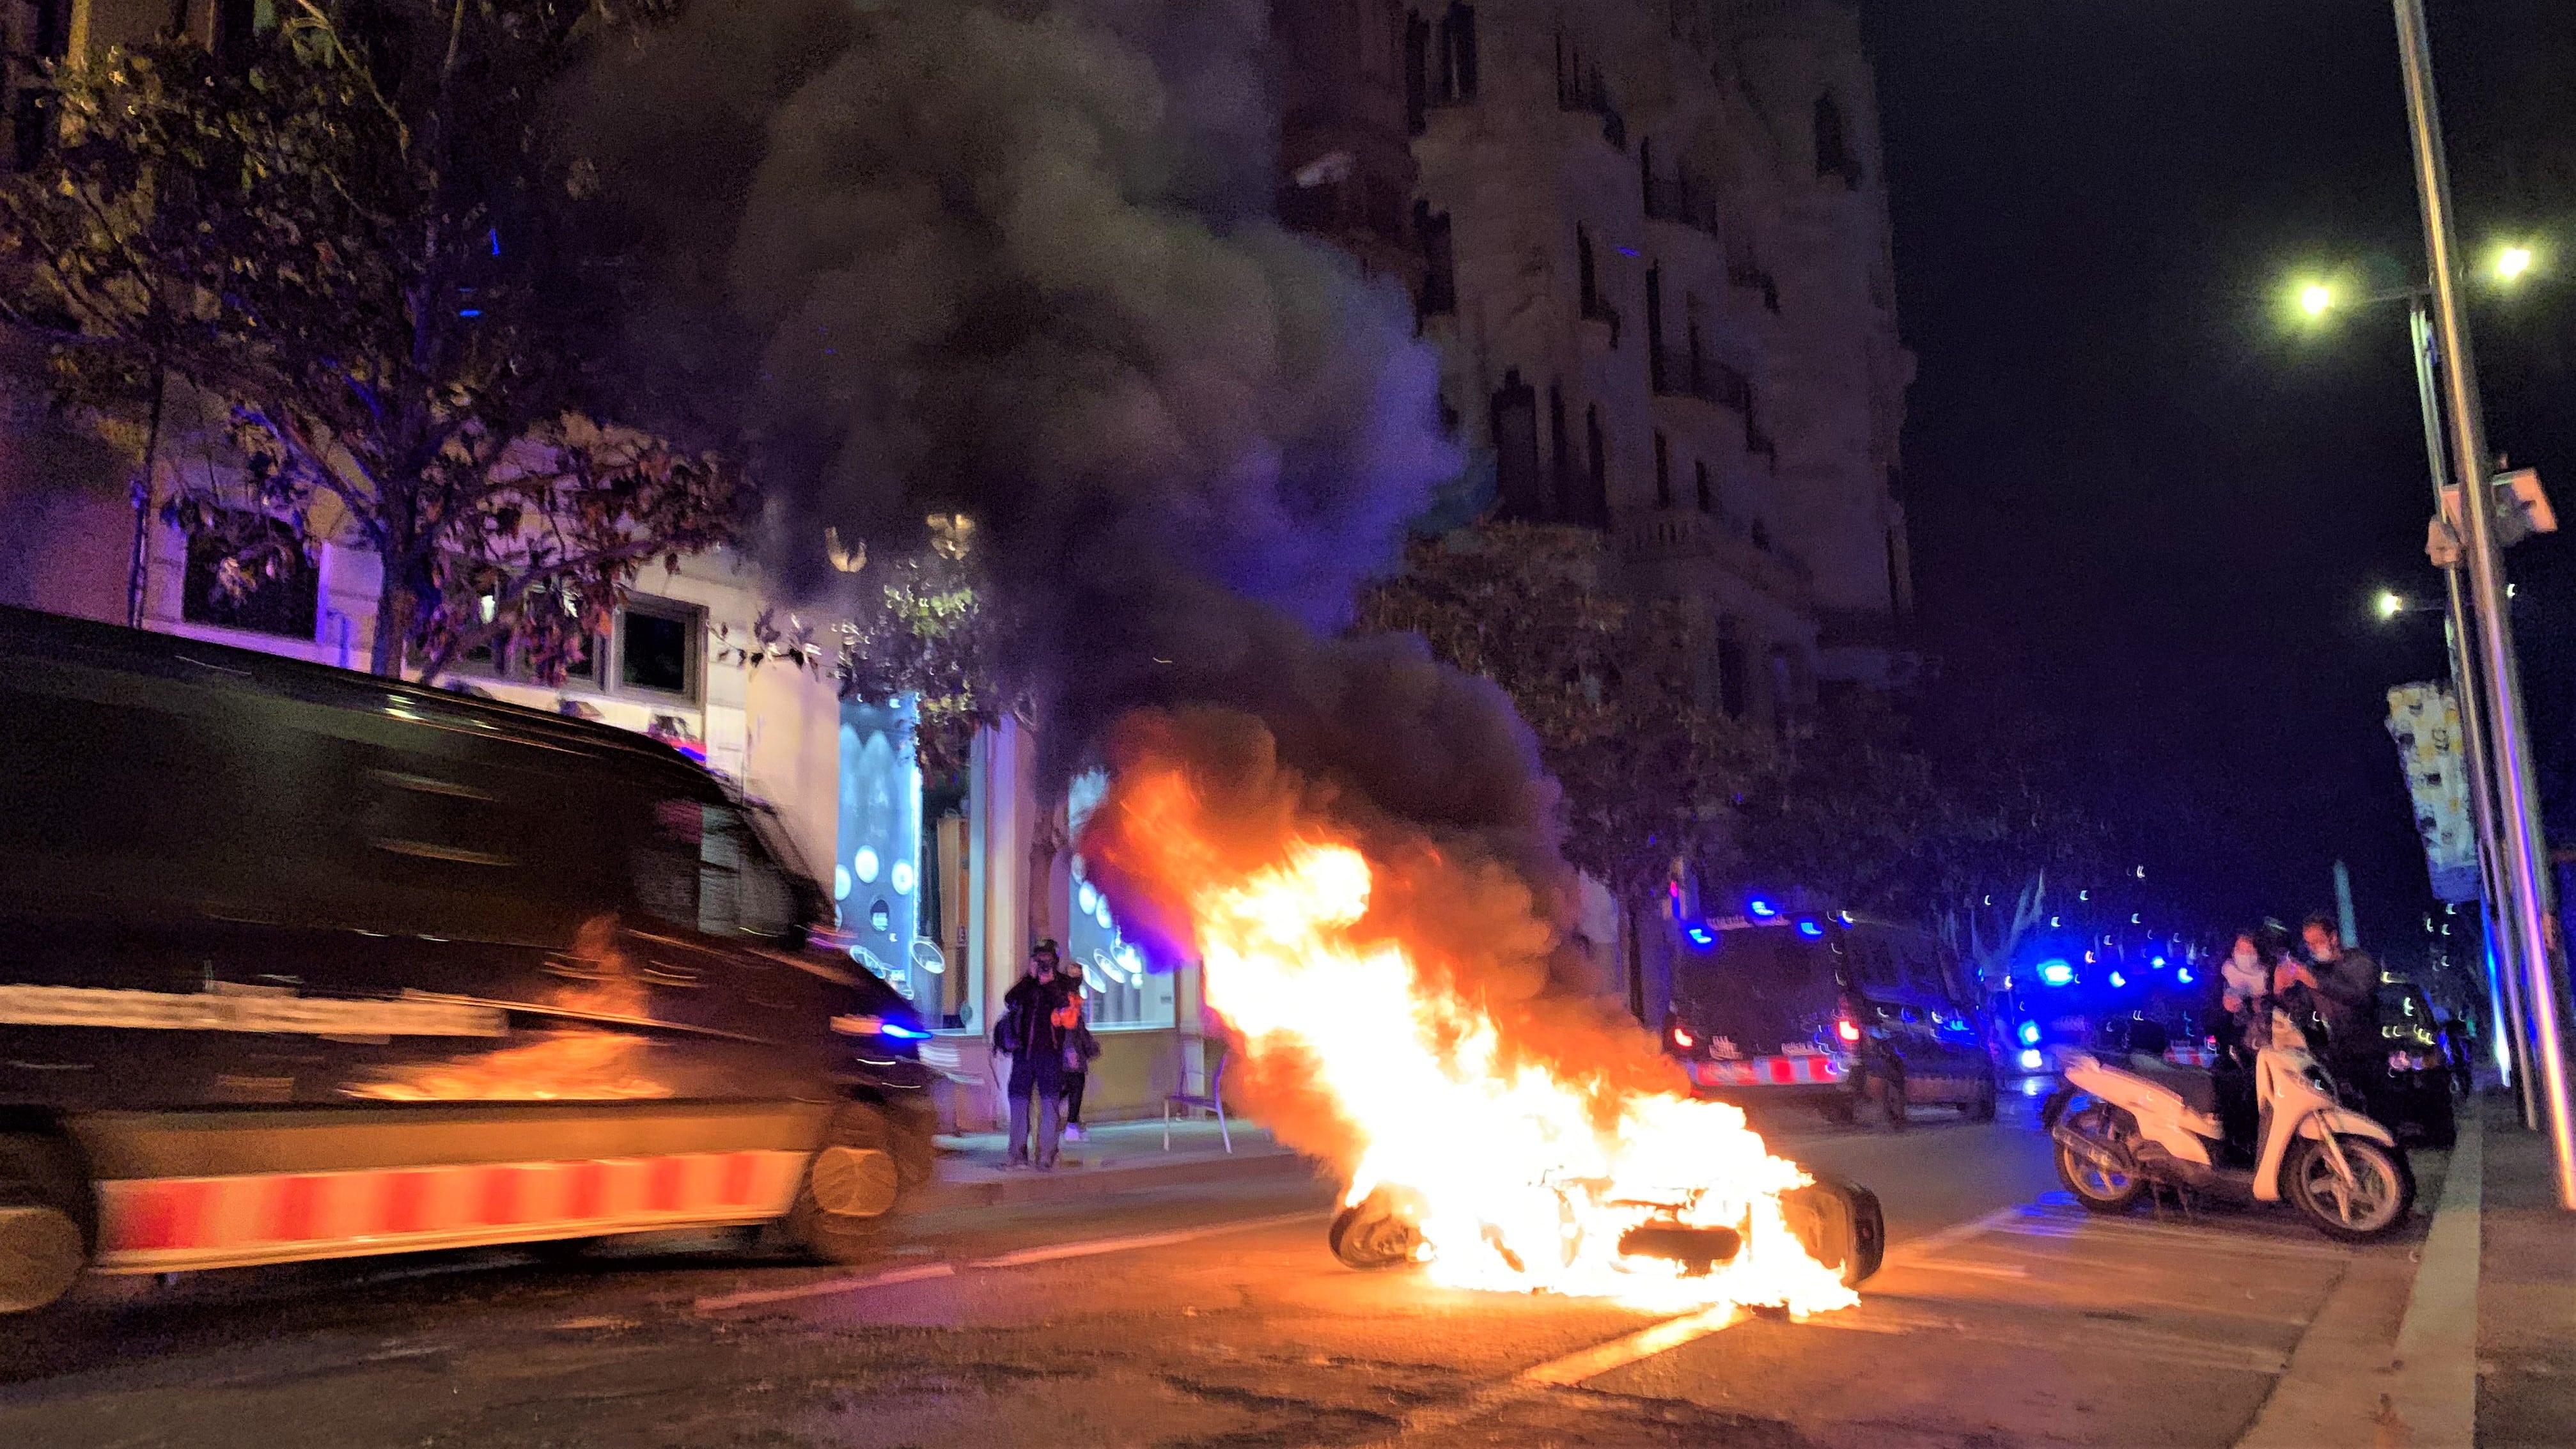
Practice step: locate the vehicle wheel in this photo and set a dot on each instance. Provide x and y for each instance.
(2103, 1189)
(2373, 1204)
(851, 1189)
(1981, 1107)
(1838, 1110)
(1374, 1233)
(1892, 1103)
(913, 1124)
(47, 1221)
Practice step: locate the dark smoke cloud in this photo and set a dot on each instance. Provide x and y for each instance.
(1011, 259)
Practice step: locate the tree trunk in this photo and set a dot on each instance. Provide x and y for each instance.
(394, 607)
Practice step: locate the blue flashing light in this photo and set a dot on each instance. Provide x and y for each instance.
(469, 312)
(2183, 976)
(2157, 962)
(1810, 927)
(903, 1031)
(2031, 1060)
(1843, 916)
(1699, 935)
(1761, 910)
(2030, 1033)
(2118, 980)
(2056, 973)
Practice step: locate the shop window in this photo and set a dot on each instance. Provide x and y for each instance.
(250, 572)
(657, 648)
(877, 881)
(1119, 985)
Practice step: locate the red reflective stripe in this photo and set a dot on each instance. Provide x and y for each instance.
(1782, 1070)
(166, 1215)
(590, 1190)
(293, 1207)
(406, 1201)
(737, 1179)
(500, 1195)
(662, 1184)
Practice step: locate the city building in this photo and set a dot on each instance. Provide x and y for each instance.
(1650, 239)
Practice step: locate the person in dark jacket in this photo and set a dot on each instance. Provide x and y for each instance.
(2341, 984)
(1029, 1036)
(1080, 1047)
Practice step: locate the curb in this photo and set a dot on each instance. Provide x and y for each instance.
(997, 1190)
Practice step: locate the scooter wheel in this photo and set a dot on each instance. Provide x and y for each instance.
(1373, 1233)
(2374, 1204)
(2099, 1188)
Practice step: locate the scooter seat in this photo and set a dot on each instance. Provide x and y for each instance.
(2197, 1088)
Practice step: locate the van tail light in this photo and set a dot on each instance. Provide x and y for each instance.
(1847, 1031)
(1682, 1038)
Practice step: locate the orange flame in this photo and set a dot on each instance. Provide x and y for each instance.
(1387, 1003)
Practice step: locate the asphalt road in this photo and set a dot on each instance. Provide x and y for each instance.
(1213, 1317)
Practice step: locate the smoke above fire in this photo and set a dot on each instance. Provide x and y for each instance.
(1014, 261)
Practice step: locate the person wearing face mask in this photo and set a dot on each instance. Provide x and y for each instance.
(2337, 983)
(2246, 976)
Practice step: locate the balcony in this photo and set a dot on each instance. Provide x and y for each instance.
(1683, 199)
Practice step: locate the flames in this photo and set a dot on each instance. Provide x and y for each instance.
(1384, 997)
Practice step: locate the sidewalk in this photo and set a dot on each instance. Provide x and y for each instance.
(1118, 1157)
(2526, 1293)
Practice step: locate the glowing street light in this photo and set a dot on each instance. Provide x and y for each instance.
(2316, 298)
(2512, 262)
(2390, 604)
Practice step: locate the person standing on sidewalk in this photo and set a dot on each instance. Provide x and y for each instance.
(1029, 1036)
(1079, 1047)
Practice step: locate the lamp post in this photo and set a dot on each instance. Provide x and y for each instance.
(2516, 793)
(2510, 1018)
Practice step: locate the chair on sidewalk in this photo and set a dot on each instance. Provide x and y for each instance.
(1201, 1060)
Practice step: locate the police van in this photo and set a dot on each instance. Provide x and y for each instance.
(298, 963)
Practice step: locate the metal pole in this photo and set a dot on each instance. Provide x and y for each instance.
(2515, 791)
(2507, 961)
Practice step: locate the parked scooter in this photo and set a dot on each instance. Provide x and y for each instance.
(2129, 1121)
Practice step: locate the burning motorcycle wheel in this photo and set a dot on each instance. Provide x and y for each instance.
(1374, 1232)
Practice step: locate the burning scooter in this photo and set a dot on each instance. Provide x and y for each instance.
(1838, 1222)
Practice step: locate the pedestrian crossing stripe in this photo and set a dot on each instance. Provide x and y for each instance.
(151, 1225)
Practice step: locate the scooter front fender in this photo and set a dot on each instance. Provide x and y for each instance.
(2345, 1123)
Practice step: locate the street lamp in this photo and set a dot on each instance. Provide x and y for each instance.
(2316, 298)
(2517, 790)
(2391, 605)
(2511, 262)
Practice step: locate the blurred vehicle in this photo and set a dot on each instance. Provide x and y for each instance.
(2410, 1088)
(297, 963)
(1837, 1012)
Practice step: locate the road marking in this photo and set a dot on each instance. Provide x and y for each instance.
(1052, 1252)
(1879, 1315)
(1600, 1359)
(1915, 1250)
(2213, 1238)
(1095, 1246)
(2437, 1371)
(824, 1287)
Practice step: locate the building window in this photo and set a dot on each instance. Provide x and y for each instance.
(658, 648)
(1663, 472)
(1594, 506)
(1833, 147)
(1656, 377)
(1456, 82)
(1587, 285)
(1514, 419)
(1439, 294)
(1761, 535)
(1120, 988)
(250, 572)
(1700, 485)
(1417, 72)
(1560, 443)
(1732, 696)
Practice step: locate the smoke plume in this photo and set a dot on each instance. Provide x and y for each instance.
(1012, 259)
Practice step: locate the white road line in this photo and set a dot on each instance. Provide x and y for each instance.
(2436, 1392)
(1048, 1253)
(824, 1287)
(1092, 1247)
(1600, 1359)
(1915, 1250)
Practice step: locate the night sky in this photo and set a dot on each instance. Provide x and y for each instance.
(2143, 500)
